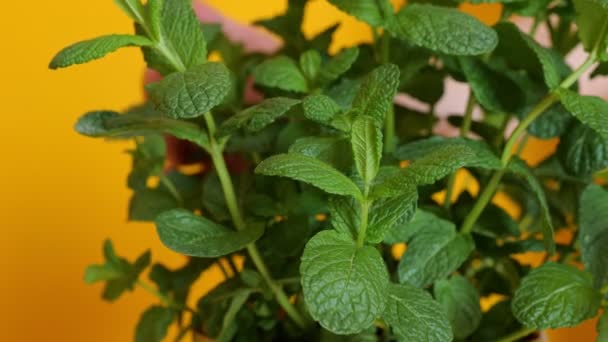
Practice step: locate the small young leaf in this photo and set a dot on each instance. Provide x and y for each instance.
(555, 296)
(345, 286)
(96, 48)
(310, 63)
(582, 151)
(459, 298)
(281, 72)
(590, 110)
(320, 108)
(415, 316)
(191, 93)
(376, 94)
(257, 117)
(366, 10)
(154, 324)
(593, 234)
(188, 234)
(434, 253)
(366, 141)
(338, 65)
(444, 30)
(309, 170)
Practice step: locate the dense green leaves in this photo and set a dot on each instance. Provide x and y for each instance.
(89, 50)
(309, 170)
(375, 96)
(415, 316)
(593, 234)
(590, 110)
(281, 72)
(366, 140)
(338, 65)
(191, 93)
(444, 30)
(555, 296)
(188, 234)
(154, 324)
(460, 300)
(582, 151)
(345, 286)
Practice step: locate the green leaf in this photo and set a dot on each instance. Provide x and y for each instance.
(368, 11)
(132, 8)
(590, 18)
(154, 324)
(235, 306)
(309, 170)
(188, 234)
(426, 85)
(257, 117)
(493, 90)
(338, 65)
(406, 231)
(191, 93)
(434, 253)
(112, 124)
(555, 296)
(459, 298)
(377, 92)
(415, 316)
(593, 233)
(281, 72)
(146, 204)
(176, 283)
(96, 48)
(320, 108)
(602, 327)
(335, 151)
(345, 215)
(310, 63)
(444, 30)
(387, 213)
(366, 141)
(154, 11)
(345, 286)
(590, 110)
(520, 168)
(582, 151)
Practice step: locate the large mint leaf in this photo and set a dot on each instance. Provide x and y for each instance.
(444, 30)
(369, 11)
(345, 286)
(433, 253)
(459, 298)
(281, 72)
(582, 151)
(309, 170)
(555, 296)
(257, 117)
(415, 316)
(96, 48)
(191, 93)
(376, 93)
(520, 168)
(338, 65)
(593, 232)
(366, 141)
(154, 324)
(590, 110)
(186, 233)
(112, 124)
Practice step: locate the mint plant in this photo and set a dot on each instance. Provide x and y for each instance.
(315, 187)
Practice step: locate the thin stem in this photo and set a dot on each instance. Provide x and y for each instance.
(389, 122)
(517, 335)
(365, 204)
(171, 187)
(482, 202)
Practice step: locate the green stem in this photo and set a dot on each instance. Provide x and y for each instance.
(389, 122)
(517, 335)
(365, 205)
(237, 219)
(172, 189)
(482, 202)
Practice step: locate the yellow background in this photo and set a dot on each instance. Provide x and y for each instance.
(62, 194)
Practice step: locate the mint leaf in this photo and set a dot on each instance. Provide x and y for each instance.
(388, 213)
(154, 11)
(433, 253)
(132, 8)
(191, 93)
(368, 11)
(444, 30)
(188, 234)
(590, 110)
(366, 141)
(154, 324)
(310, 63)
(593, 233)
(309, 170)
(96, 48)
(520, 168)
(345, 215)
(555, 296)
(376, 93)
(406, 231)
(338, 65)
(320, 108)
(112, 124)
(335, 151)
(281, 72)
(459, 298)
(582, 151)
(255, 118)
(590, 17)
(235, 306)
(345, 286)
(415, 316)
